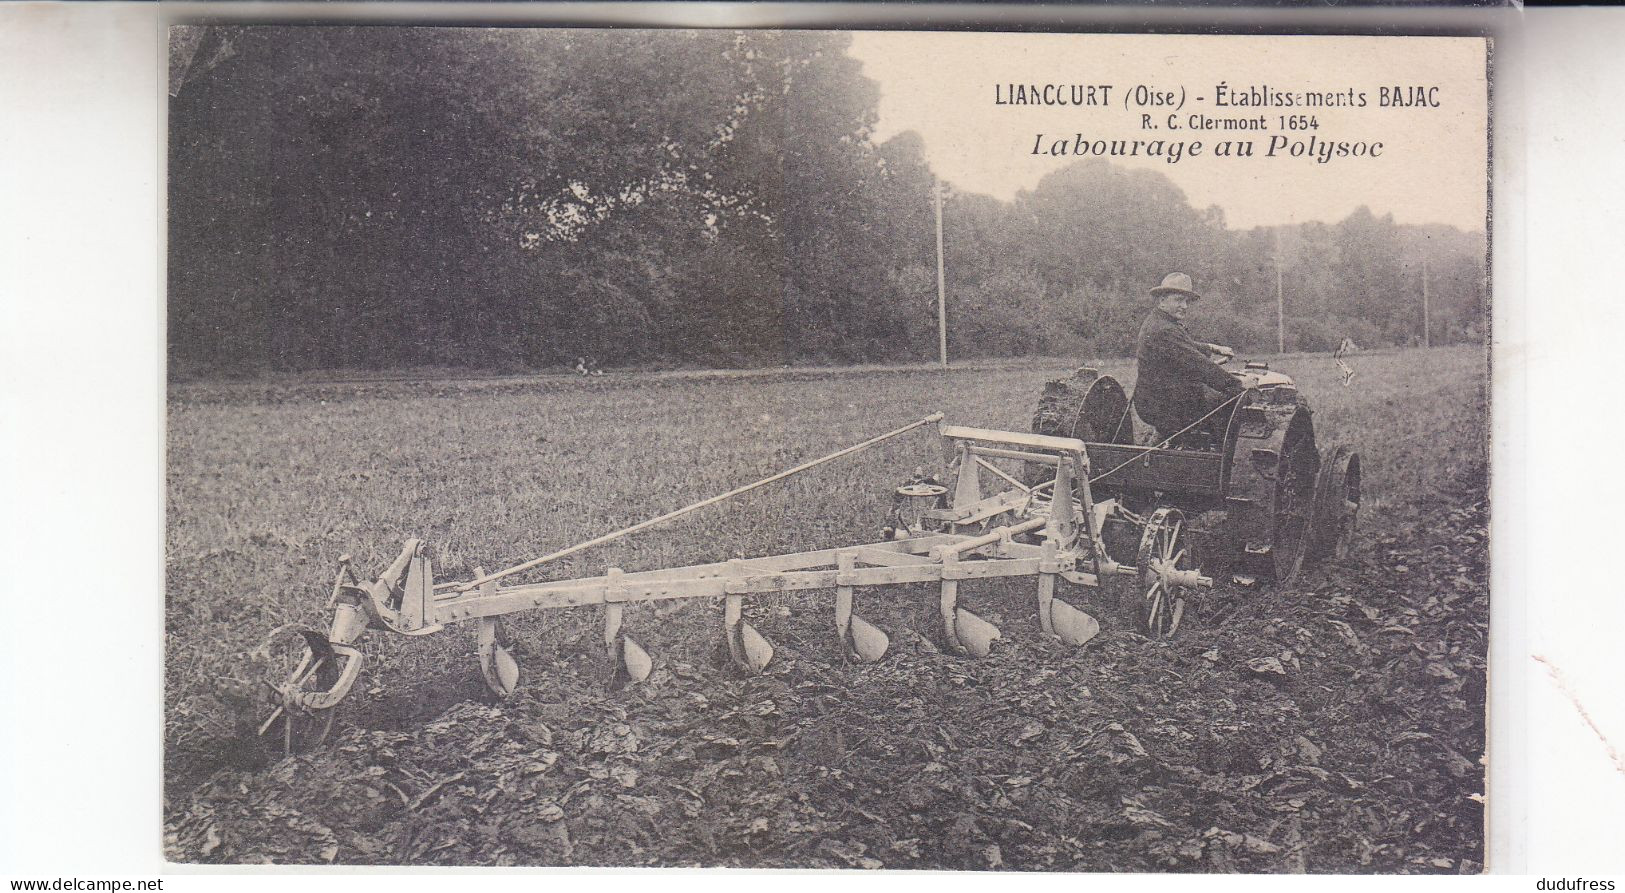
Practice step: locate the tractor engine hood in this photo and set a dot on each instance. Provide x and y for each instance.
(1266, 378)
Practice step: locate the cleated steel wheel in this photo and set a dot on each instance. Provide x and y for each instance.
(309, 665)
(1088, 406)
(1163, 551)
(1294, 501)
(1337, 505)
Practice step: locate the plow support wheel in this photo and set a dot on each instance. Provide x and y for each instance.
(302, 704)
(1337, 505)
(1167, 577)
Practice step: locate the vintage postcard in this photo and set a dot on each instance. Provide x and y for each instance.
(827, 449)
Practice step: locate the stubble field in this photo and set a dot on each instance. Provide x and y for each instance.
(1123, 755)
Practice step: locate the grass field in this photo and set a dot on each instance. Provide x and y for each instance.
(268, 485)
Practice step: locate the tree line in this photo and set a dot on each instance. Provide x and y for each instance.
(384, 197)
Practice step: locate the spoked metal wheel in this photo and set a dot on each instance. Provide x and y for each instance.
(300, 664)
(1165, 566)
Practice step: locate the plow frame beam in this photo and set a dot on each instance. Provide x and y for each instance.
(887, 563)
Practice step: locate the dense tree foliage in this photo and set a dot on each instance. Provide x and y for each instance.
(505, 198)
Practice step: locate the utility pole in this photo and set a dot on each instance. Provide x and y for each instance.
(1427, 340)
(942, 301)
(1280, 299)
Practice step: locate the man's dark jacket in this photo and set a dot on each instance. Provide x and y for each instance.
(1173, 368)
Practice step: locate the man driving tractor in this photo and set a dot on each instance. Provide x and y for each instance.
(1178, 381)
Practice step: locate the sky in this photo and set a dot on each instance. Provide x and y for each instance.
(1432, 168)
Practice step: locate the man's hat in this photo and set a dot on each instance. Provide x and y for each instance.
(1176, 284)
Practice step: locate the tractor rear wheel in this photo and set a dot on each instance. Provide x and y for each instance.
(1088, 406)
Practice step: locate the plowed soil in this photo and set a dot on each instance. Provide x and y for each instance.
(1334, 724)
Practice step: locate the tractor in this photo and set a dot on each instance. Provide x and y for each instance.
(1244, 493)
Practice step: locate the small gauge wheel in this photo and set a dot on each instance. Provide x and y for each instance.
(1163, 549)
(306, 666)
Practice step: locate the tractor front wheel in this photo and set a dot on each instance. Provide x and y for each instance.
(1163, 550)
(1337, 505)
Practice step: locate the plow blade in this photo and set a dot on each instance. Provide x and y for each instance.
(750, 650)
(506, 670)
(500, 670)
(869, 643)
(1073, 626)
(859, 638)
(974, 634)
(626, 654)
(497, 664)
(321, 650)
(634, 660)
